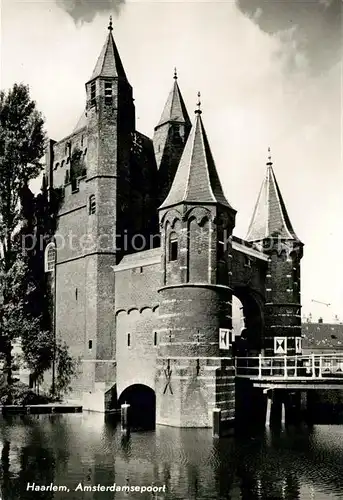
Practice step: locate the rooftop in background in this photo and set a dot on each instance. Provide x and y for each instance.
(322, 336)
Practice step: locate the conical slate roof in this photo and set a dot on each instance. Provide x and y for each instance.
(109, 63)
(196, 179)
(270, 217)
(174, 109)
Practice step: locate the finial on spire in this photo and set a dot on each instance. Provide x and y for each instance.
(198, 110)
(269, 162)
(175, 74)
(110, 27)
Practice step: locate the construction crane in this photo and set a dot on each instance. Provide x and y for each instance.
(319, 302)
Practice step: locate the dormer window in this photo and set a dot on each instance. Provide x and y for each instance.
(93, 93)
(173, 247)
(92, 204)
(108, 93)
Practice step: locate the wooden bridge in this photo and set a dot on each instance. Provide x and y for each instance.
(292, 372)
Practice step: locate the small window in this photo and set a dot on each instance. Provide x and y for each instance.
(108, 92)
(76, 293)
(128, 340)
(141, 270)
(67, 177)
(67, 148)
(155, 338)
(90, 344)
(173, 247)
(93, 93)
(50, 257)
(92, 204)
(74, 185)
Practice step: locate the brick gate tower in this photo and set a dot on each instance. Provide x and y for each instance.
(271, 229)
(195, 297)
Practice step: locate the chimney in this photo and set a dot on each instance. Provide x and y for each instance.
(320, 320)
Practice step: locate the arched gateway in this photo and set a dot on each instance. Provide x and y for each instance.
(148, 311)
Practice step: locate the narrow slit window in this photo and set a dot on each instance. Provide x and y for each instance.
(90, 344)
(220, 250)
(76, 293)
(92, 204)
(93, 93)
(67, 177)
(155, 338)
(128, 340)
(74, 185)
(173, 247)
(108, 92)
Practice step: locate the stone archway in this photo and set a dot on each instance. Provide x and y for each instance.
(251, 334)
(142, 401)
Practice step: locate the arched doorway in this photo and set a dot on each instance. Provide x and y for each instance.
(142, 401)
(248, 319)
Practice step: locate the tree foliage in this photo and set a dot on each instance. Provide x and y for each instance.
(26, 224)
(21, 148)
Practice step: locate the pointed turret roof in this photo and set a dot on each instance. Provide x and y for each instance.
(196, 179)
(174, 109)
(270, 217)
(109, 63)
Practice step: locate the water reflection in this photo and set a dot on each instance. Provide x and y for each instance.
(73, 449)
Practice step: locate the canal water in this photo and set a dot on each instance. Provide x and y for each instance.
(79, 450)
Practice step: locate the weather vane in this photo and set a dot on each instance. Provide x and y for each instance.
(110, 27)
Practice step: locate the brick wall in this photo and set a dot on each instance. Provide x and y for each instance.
(136, 363)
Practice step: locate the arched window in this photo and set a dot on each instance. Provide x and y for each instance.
(92, 204)
(50, 258)
(173, 247)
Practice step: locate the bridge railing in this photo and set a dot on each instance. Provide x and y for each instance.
(290, 367)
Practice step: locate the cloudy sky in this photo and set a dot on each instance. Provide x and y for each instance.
(269, 73)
